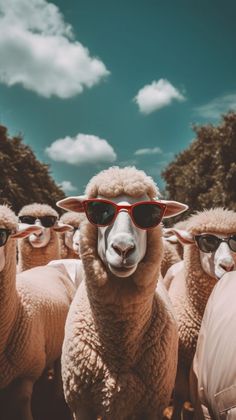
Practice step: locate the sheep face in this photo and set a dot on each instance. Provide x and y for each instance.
(217, 262)
(72, 240)
(41, 238)
(122, 245)
(6, 236)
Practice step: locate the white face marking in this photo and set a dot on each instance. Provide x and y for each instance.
(217, 263)
(122, 245)
(41, 239)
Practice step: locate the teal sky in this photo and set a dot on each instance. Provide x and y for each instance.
(186, 47)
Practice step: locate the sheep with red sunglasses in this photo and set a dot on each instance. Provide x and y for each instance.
(209, 252)
(33, 311)
(40, 248)
(120, 349)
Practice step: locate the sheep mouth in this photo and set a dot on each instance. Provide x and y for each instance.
(122, 270)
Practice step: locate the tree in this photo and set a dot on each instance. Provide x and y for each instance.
(23, 179)
(204, 175)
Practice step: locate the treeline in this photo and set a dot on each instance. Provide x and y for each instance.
(24, 179)
(204, 175)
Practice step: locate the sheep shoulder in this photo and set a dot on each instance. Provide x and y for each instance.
(45, 295)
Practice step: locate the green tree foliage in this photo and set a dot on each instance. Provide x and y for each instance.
(23, 179)
(204, 175)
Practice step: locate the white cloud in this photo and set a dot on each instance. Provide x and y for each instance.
(218, 106)
(82, 149)
(67, 186)
(156, 96)
(148, 151)
(38, 51)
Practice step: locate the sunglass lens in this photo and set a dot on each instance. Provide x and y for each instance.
(208, 243)
(100, 213)
(30, 220)
(48, 221)
(3, 237)
(147, 215)
(232, 243)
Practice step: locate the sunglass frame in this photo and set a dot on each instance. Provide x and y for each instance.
(219, 240)
(128, 208)
(34, 218)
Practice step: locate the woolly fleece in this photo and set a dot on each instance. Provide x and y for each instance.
(120, 349)
(116, 181)
(191, 288)
(170, 257)
(34, 306)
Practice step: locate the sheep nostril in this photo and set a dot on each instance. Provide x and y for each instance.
(128, 251)
(117, 249)
(123, 251)
(227, 268)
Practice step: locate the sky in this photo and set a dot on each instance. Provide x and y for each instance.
(92, 84)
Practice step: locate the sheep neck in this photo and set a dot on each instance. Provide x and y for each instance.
(125, 304)
(198, 283)
(8, 294)
(30, 257)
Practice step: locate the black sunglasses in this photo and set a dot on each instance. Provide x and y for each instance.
(46, 221)
(4, 235)
(144, 214)
(210, 243)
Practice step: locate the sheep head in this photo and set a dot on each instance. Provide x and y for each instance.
(121, 242)
(213, 233)
(10, 229)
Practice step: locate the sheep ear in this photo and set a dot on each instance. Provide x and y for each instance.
(25, 230)
(183, 236)
(72, 203)
(172, 239)
(62, 227)
(173, 208)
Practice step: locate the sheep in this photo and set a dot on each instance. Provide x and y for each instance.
(120, 349)
(42, 247)
(173, 240)
(69, 240)
(213, 376)
(170, 256)
(32, 316)
(194, 280)
(173, 249)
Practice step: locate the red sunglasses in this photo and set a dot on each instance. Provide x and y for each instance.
(144, 214)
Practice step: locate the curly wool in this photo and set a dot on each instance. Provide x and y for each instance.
(72, 218)
(8, 219)
(120, 347)
(33, 306)
(191, 288)
(38, 210)
(170, 257)
(116, 181)
(213, 220)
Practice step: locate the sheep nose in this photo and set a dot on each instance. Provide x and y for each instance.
(123, 249)
(227, 267)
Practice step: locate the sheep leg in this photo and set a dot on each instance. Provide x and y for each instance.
(22, 396)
